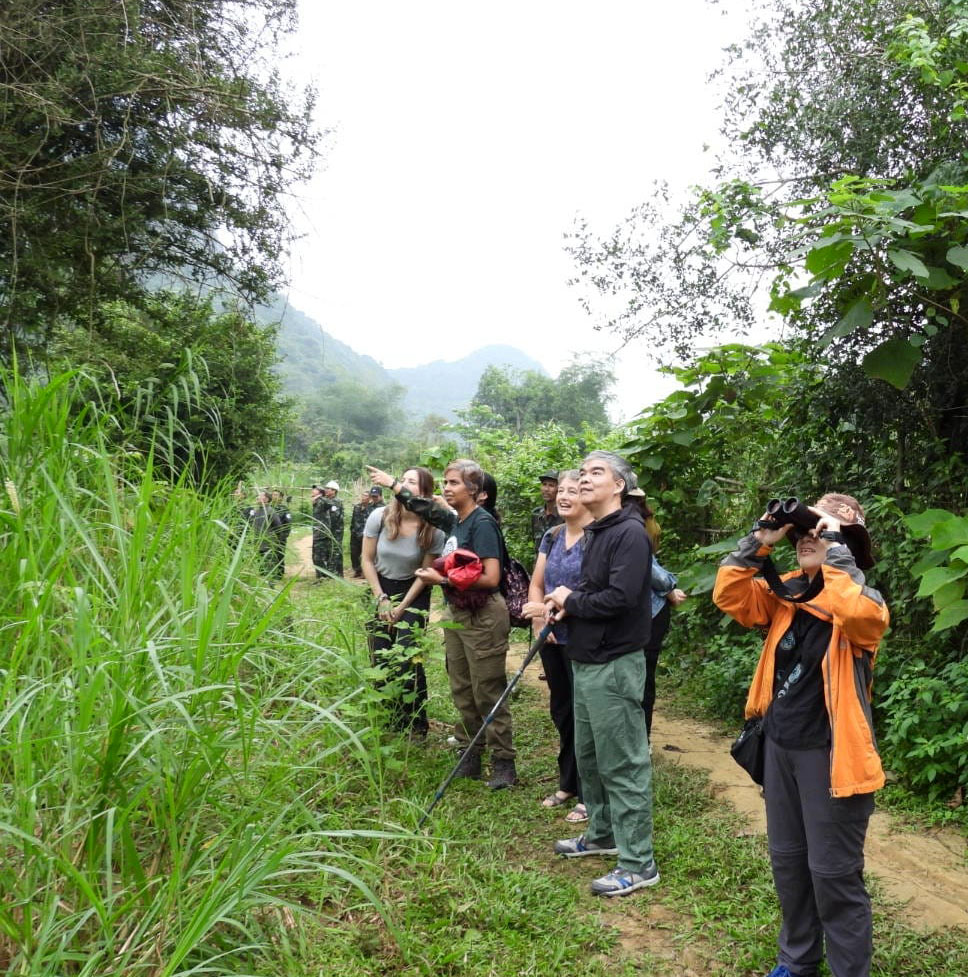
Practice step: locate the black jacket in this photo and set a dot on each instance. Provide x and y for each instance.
(610, 612)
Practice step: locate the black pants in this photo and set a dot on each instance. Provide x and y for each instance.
(356, 553)
(557, 669)
(660, 624)
(817, 853)
(389, 645)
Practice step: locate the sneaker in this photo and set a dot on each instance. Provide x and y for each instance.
(580, 846)
(620, 881)
(781, 971)
(503, 775)
(469, 766)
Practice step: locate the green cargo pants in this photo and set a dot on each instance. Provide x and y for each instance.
(476, 656)
(612, 750)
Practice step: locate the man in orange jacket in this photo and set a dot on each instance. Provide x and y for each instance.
(812, 686)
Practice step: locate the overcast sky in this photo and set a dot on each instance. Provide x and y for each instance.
(465, 140)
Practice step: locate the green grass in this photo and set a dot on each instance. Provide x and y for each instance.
(195, 778)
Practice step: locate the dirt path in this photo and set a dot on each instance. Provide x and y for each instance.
(925, 871)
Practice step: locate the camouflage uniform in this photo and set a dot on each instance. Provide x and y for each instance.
(332, 549)
(541, 522)
(265, 523)
(361, 512)
(320, 533)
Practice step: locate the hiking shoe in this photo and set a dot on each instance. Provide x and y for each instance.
(620, 881)
(469, 766)
(580, 846)
(503, 775)
(781, 971)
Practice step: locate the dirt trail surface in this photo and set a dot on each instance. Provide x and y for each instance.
(925, 870)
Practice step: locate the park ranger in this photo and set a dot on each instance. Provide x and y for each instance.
(373, 499)
(333, 543)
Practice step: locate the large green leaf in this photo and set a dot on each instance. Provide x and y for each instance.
(948, 594)
(893, 361)
(951, 616)
(923, 523)
(953, 532)
(829, 260)
(858, 316)
(958, 256)
(908, 261)
(933, 580)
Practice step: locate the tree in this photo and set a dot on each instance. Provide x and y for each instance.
(195, 386)
(522, 401)
(137, 137)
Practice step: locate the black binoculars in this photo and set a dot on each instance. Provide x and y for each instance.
(792, 511)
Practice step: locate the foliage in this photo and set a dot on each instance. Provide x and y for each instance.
(926, 727)
(516, 461)
(169, 723)
(943, 570)
(137, 138)
(172, 372)
(575, 399)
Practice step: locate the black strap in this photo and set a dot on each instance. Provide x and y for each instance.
(783, 592)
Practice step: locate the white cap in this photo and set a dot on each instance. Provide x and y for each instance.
(332, 484)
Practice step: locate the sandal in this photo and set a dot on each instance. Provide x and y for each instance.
(577, 815)
(555, 800)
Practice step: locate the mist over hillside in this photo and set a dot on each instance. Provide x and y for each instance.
(312, 358)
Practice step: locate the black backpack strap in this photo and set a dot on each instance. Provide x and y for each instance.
(783, 592)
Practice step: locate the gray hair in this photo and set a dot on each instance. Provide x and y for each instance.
(471, 473)
(572, 474)
(619, 466)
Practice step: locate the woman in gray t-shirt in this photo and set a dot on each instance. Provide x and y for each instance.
(397, 543)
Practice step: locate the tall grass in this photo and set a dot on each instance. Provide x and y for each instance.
(167, 732)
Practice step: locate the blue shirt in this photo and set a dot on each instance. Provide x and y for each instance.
(562, 569)
(662, 583)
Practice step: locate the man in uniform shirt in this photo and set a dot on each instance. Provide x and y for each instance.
(333, 554)
(544, 516)
(361, 512)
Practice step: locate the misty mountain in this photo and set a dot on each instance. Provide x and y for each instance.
(441, 387)
(311, 358)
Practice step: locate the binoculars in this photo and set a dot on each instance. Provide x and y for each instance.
(780, 512)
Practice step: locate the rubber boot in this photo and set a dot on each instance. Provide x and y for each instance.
(503, 775)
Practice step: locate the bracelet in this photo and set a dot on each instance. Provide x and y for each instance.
(833, 537)
(394, 482)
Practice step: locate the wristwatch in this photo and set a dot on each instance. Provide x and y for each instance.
(833, 537)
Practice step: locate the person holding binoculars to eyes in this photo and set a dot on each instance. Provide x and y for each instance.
(812, 687)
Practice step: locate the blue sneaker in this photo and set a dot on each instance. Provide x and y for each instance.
(781, 971)
(621, 881)
(580, 846)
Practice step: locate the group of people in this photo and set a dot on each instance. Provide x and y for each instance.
(605, 599)
(270, 522)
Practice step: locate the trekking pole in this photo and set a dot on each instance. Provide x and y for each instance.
(532, 651)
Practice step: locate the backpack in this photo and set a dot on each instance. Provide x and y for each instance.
(514, 588)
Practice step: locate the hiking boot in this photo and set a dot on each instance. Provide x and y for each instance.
(503, 775)
(469, 766)
(580, 846)
(781, 971)
(620, 881)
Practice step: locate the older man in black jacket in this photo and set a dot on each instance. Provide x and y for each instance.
(609, 620)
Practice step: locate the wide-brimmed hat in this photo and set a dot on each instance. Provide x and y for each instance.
(854, 528)
(332, 484)
(549, 476)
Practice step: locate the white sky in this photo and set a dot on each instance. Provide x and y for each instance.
(467, 137)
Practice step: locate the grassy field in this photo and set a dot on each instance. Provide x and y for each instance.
(196, 780)
(479, 892)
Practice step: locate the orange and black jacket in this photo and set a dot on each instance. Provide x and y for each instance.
(858, 617)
